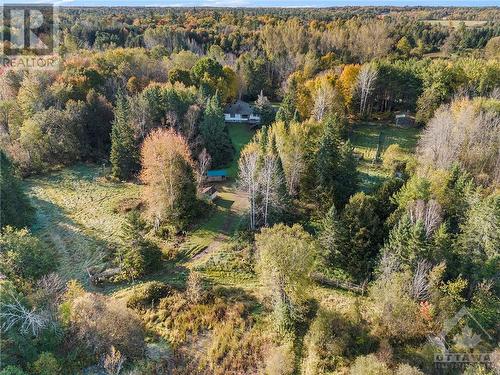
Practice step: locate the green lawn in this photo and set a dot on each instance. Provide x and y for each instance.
(365, 138)
(240, 135)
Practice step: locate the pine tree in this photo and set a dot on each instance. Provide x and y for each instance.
(407, 242)
(287, 111)
(214, 133)
(332, 236)
(335, 166)
(363, 233)
(15, 209)
(124, 155)
(283, 198)
(264, 109)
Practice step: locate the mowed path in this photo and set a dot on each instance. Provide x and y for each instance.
(231, 205)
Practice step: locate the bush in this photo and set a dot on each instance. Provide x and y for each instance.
(404, 369)
(46, 364)
(12, 370)
(148, 294)
(326, 344)
(23, 255)
(369, 365)
(394, 159)
(15, 209)
(101, 322)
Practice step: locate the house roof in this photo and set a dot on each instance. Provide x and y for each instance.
(217, 173)
(239, 107)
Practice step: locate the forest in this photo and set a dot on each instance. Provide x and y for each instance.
(352, 229)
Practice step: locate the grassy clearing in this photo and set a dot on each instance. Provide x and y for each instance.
(365, 138)
(80, 213)
(77, 214)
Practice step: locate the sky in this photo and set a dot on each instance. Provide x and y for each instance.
(261, 3)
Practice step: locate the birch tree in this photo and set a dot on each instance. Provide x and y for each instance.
(249, 181)
(366, 83)
(203, 165)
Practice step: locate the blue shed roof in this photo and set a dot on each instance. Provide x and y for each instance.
(217, 173)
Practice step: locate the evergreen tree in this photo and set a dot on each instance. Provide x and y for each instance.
(287, 112)
(15, 209)
(141, 255)
(214, 133)
(335, 166)
(265, 110)
(332, 236)
(283, 205)
(407, 242)
(363, 230)
(124, 155)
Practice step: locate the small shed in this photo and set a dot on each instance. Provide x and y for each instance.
(405, 120)
(241, 111)
(209, 193)
(215, 175)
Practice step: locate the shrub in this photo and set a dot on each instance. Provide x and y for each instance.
(148, 294)
(326, 343)
(405, 369)
(101, 322)
(369, 365)
(12, 370)
(394, 159)
(15, 209)
(23, 255)
(46, 364)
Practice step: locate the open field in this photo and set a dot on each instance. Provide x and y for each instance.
(365, 138)
(456, 23)
(77, 214)
(81, 213)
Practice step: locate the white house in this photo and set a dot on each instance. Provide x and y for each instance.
(241, 111)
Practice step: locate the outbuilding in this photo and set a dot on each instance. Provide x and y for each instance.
(405, 120)
(216, 175)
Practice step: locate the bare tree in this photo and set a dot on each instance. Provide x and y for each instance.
(269, 183)
(366, 83)
(462, 133)
(428, 213)
(320, 103)
(32, 320)
(420, 283)
(203, 165)
(113, 361)
(189, 124)
(140, 116)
